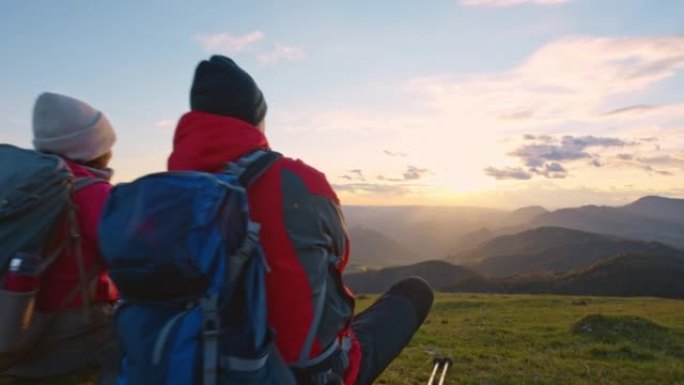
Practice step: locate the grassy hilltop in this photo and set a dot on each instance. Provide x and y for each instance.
(536, 339)
(539, 339)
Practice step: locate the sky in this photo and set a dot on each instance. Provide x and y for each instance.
(492, 103)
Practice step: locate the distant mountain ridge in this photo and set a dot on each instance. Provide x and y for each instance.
(625, 274)
(649, 218)
(440, 274)
(635, 249)
(523, 215)
(431, 232)
(416, 233)
(551, 250)
(371, 248)
(664, 209)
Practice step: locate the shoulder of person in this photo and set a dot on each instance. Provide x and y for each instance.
(315, 180)
(87, 178)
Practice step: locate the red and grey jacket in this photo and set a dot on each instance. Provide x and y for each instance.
(63, 275)
(302, 232)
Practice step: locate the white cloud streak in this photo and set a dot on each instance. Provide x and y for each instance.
(165, 124)
(228, 43)
(282, 52)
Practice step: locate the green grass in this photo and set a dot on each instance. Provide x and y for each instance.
(539, 339)
(536, 339)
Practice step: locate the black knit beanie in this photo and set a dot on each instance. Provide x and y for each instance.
(221, 87)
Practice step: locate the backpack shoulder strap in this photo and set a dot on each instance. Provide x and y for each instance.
(82, 182)
(79, 183)
(253, 165)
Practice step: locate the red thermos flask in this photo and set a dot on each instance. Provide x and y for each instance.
(22, 275)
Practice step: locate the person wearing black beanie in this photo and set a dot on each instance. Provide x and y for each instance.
(221, 87)
(303, 237)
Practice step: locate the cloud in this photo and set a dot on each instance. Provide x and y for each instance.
(573, 85)
(508, 173)
(517, 115)
(394, 153)
(555, 85)
(282, 52)
(506, 3)
(540, 138)
(165, 124)
(388, 179)
(636, 109)
(568, 148)
(649, 163)
(553, 171)
(414, 173)
(546, 154)
(372, 188)
(548, 157)
(228, 43)
(356, 174)
(676, 159)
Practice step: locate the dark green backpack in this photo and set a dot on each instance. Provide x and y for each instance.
(37, 217)
(35, 194)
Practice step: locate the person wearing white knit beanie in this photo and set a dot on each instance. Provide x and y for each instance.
(66, 126)
(83, 138)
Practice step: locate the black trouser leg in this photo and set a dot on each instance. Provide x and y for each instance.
(385, 328)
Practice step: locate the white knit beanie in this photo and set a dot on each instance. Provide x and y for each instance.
(66, 126)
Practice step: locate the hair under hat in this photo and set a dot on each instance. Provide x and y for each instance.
(221, 87)
(67, 126)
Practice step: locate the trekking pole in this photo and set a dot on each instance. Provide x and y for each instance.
(447, 362)
(431, 381)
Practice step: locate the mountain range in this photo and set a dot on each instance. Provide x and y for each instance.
(551, 250)
(627, 250)
(649, 218)
(373, 249)
(441, 275)
(625, 274)
(426, 233)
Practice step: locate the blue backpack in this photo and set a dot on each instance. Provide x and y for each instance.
(186, 258)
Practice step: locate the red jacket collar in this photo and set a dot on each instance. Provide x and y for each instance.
(206, 142)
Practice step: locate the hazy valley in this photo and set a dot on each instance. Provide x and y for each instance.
(631, 250)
